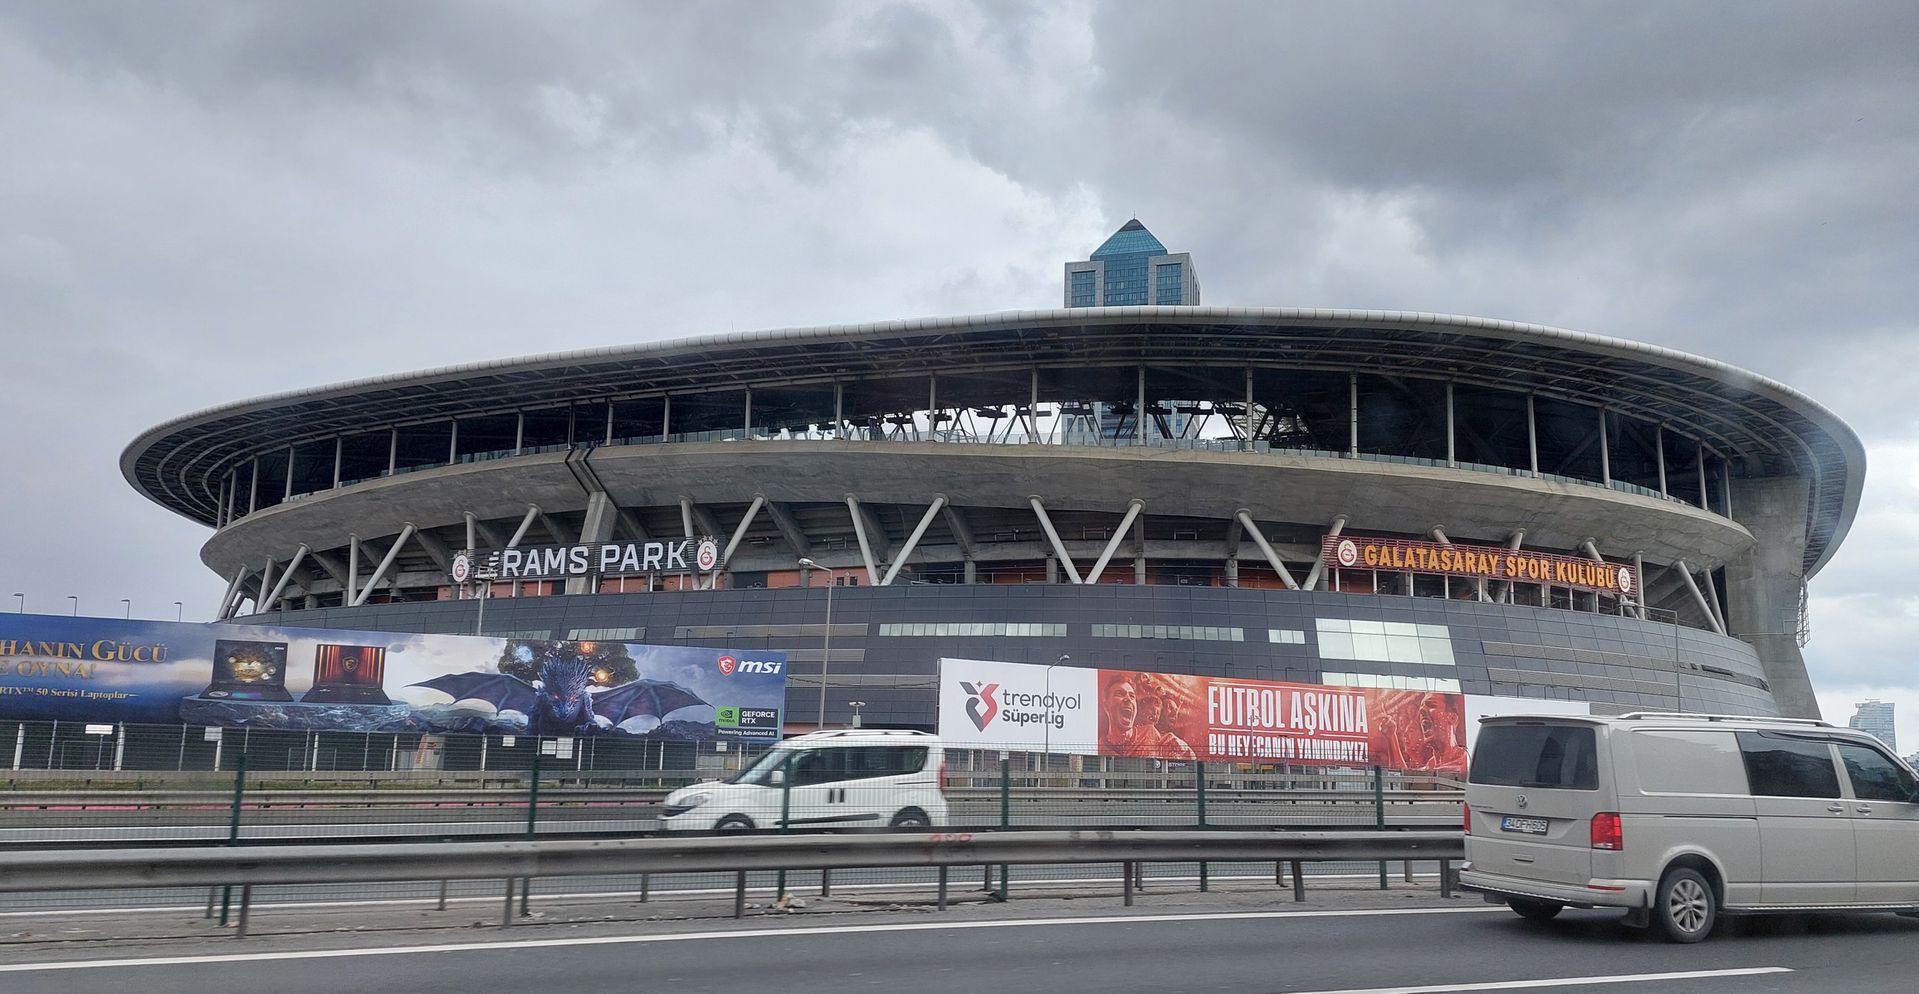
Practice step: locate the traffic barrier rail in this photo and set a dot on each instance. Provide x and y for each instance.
(247, 867)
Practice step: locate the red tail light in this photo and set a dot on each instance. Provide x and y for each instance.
(942, 776)
(1607, 833)
(1468, 809)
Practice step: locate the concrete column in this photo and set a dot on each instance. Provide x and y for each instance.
(1659, 451)
(1605, 451)
(1118, 536)
(1232, 572)
(253, 488)
(839, 409)
(339, 452)
(1032, 406)
(288, 493)
(913, 540)
(1701, 459)
(1352, 423)
(1319, 562)
(1059, 547)
(1052, 570)
(1532, 437)
(666, 417)
(748, 429)
(392, 450)
(1725, 487)
(453, 443)
(1452, 453)
(519, 429)
(601, 517)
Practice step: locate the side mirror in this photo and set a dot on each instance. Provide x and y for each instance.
(776, 778)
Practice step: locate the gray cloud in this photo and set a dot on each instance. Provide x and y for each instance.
(215, 200)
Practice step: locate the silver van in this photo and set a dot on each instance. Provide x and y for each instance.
(1682, 818)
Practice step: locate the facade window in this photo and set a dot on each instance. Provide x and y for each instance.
(1198, 633)
(1168, 283)
(1387, 681)
(1385, 641)
(604, 634)
(972, 629)
(1083, 288)
(1285, 636)
(1126, 281)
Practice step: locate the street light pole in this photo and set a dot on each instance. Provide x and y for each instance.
(826, 644)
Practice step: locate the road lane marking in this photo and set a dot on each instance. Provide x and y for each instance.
(1516, 985)
(751, 933)
(656, 892)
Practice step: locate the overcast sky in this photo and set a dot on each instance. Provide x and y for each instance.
(205, 202)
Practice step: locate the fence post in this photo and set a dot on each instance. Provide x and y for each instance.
(1199, 778)
(532, 818)
(233, 829)
(1379, 813)
(786, 820)
(1299, 881)
(1005, 811)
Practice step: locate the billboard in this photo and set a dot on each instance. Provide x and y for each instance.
(103, 670)
(1175, 716)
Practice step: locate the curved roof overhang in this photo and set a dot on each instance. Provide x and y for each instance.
(1741, 414)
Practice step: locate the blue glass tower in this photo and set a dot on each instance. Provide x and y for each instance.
(1132, 269)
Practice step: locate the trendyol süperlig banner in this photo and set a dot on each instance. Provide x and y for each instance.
(103, 670)
(1182, 717)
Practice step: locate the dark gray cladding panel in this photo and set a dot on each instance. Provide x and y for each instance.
(1617, 663)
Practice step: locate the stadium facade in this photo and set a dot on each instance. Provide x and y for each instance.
(1326, 496)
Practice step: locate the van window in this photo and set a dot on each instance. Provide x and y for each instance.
(1874, 776)
(1564, 756)
(884, 761)
(1788, 766)
(1686, 762)
(819, 766)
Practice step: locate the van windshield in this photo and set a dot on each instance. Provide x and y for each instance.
(1562, 756)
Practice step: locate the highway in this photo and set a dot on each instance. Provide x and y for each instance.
(1057, 947)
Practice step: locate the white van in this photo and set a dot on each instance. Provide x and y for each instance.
(851, 778)
(1681, 818)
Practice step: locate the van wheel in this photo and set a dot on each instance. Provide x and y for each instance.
(1535, 911)
(911, 818)
(1685, 907)
(734, 823)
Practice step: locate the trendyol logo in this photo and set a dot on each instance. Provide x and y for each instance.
(729, 665)
(987, 701)
(980, 703)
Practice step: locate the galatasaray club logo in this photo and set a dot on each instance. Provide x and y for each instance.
(708, 555)
(462, 567)
(1348, 552)
(727, 665)
(982, 704)
(1625, 579)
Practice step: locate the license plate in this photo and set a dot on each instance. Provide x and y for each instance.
(1525, 826)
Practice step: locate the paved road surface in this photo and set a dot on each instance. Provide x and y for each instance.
(1424, 949)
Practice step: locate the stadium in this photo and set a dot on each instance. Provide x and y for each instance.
(1358, 498)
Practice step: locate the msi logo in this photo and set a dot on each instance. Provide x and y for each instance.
(727, 665)
(982, 704)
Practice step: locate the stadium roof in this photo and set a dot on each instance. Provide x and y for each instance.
(1740, 414)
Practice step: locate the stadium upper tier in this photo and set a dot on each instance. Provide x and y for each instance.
(1450, 398)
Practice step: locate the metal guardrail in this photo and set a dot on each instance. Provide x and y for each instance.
(248, 867)
(70, 800)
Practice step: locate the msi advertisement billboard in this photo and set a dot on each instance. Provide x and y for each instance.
(1176, 716)
(99, 670)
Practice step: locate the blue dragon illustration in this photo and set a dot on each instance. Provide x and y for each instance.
(563, 701)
